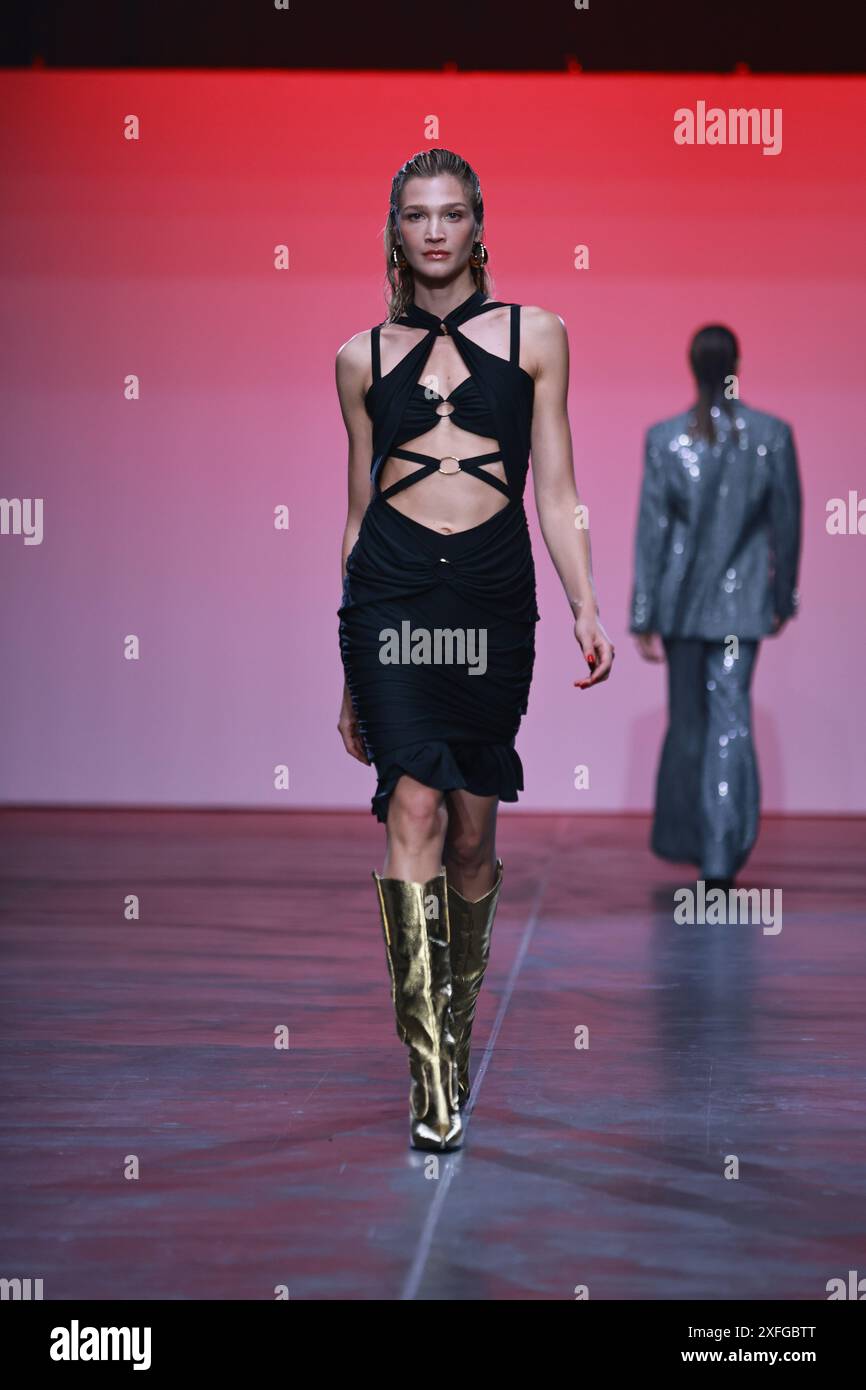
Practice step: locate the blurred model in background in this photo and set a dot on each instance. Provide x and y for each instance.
(716, 562)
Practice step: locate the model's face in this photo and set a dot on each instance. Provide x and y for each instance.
(436, 226)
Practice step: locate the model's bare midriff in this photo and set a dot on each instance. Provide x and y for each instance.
(450, 501)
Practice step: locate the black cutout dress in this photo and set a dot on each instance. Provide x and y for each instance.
(448, 722)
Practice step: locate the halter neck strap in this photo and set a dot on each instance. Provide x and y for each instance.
(416, 317)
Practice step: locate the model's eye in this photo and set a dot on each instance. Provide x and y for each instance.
(455, 212)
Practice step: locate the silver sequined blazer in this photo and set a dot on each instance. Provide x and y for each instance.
(718, 534)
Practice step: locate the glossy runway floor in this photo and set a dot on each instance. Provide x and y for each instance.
(158, 1145)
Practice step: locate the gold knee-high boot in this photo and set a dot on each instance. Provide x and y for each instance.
(416, 927)
(471, 930)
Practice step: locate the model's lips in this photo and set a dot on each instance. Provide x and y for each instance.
(436, 255)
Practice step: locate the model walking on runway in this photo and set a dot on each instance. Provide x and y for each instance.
(717, 555)
(437, 622)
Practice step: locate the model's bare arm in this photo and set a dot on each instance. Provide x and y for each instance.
(352, 369)
(562, 516)
(351, 374)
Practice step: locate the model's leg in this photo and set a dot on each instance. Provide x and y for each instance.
(474, 880)
(416, 826)
(676, 832)
(470, 843)
(730, 790)
(413, 902)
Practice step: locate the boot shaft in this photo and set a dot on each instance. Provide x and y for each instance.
(416, 928)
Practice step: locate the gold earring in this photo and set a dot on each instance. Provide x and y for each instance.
(479, 258)
(400, 263)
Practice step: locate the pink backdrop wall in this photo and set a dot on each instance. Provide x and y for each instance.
(155, 257)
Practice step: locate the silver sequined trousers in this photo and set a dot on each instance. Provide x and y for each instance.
(708, 789)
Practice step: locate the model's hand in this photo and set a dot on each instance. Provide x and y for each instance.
(347, 725)
(596, 647)
(649, 645)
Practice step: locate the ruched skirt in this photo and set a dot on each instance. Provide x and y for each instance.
(437, 640)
